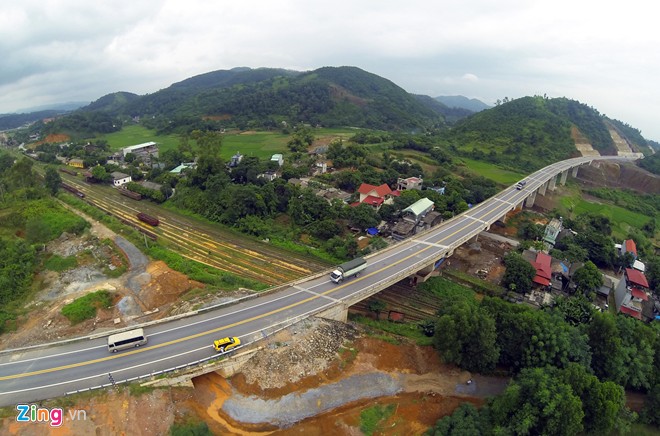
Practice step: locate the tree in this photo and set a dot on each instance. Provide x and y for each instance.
(606, 348)
(588, 278)
(519, 273)
(531, 231)
(574, 310)
(599, 246)
(100, 174)
(466, 420)
(377, 306)
(651, 412)
(466, 336)
(602, 402)
(52, 180)
(363, 216)
(537, 403)
(653, 274)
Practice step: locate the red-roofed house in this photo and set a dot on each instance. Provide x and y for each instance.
(629, 246)
(632, 294)
(635, 277)
(543, 269)
(376, 196)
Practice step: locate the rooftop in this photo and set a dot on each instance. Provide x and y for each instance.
(380, 191)
(636, 278)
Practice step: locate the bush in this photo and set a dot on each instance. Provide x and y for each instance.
(58, 263)
(372, 419)
(85, 307)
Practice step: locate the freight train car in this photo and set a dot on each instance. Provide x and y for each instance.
(152, 221)
(68, 171)
(72, 190)
(130, 194)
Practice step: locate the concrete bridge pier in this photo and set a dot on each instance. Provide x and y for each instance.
(575, 171)
(564, 175)
(543, 187)
(552, 183)
(529, 201)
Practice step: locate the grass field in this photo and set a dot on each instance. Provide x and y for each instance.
(622, 219)
(136, 134)
(492, 171)
(252, 143)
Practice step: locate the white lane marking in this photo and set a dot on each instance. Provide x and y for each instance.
(105, 374)
(431, 243)
(504, 201)
(317, 294)
(158, 333)
(476, 219)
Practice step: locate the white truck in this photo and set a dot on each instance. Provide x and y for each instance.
(348, 269)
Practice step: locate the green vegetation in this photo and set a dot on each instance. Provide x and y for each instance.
(29, 219)
(373, 419)
(623, 220)
(134, 134)
(407, 330)
(651, 163)
(492, 171)
(58, 263)
(200, 272)
(85, 307)
(190, 427)
(136, 389)
(646, 204)
(475, 283)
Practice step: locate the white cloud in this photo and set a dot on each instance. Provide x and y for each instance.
(602, 54)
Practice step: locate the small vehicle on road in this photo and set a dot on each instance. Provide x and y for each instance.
(226, 344)
(521, 184)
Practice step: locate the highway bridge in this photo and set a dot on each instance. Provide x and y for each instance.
(34, 374)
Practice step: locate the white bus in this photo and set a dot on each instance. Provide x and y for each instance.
(131, 338)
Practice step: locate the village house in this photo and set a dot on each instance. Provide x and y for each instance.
(76, 163)
(411, 221)
(278, 158)
(119, 179)
(632, 295)
(375, 196)
(629, 246)
(143, 152)
(409, 183)
(183, 166)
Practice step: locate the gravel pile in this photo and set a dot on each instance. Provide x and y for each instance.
(304, 349)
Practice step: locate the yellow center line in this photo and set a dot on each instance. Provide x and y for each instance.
(244, 321)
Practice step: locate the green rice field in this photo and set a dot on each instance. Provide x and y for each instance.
(622, 219)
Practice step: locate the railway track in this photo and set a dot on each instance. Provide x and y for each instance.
(265, 265)
(415, 305)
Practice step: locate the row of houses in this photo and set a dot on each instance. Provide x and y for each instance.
(632, 294)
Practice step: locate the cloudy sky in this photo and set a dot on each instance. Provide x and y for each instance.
(602, 53)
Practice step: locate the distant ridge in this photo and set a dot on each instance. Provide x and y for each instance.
(459, 101)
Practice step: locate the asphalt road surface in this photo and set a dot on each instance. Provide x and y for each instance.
(46, 372)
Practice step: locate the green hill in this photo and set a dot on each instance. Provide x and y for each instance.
(530, 132)
(264, 97)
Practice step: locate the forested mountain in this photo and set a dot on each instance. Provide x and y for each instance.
(12, 121)
(112, 103)
(264, 97)
(459, 101)
(450, 114)
(531, 131)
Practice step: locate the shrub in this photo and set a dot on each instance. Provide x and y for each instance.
(85, 307)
